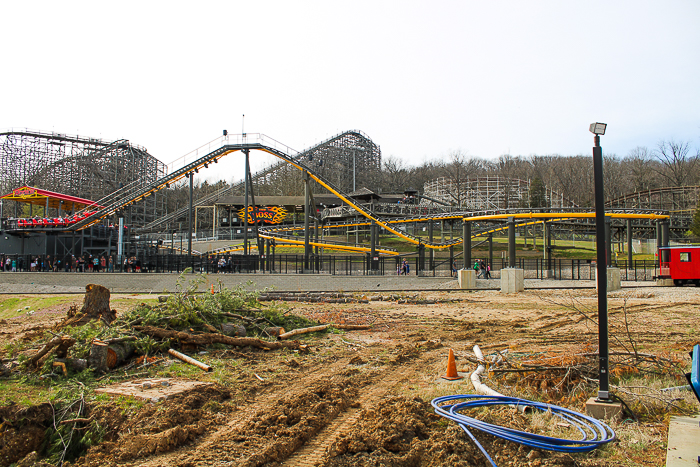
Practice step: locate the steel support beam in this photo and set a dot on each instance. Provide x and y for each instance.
(307, 208)
(511, 242)
(189, 217)
(629, 244)
(467, 244)
(246, 204)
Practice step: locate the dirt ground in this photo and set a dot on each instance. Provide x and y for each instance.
(362, 398)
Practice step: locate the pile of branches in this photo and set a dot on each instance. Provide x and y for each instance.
(94, 338)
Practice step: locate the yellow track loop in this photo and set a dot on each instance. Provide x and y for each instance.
(358, 208)
(332, 246)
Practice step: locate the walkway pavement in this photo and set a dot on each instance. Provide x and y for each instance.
(60, 282)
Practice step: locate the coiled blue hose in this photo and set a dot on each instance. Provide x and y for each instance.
(594, 433)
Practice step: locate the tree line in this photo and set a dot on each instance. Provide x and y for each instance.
(669, 164)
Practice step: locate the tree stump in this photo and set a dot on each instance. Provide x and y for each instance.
(95, 307)
(96, 303)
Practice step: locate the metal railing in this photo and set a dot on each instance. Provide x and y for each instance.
(350, 265)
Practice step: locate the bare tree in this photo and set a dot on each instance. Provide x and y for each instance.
(396, 177)
(458, 170)
(575, 177)
(510, 168)
(616, 180)
(678, 166)
(542, 167)
(639, 162)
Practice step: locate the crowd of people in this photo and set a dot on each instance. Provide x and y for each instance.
(67, 263)
(229, 264)
(482, 269)
(48, 263)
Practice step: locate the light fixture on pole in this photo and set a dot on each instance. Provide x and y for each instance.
(598, 129)
(603, 353)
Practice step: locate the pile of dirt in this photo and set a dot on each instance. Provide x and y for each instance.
(156, 428)
(22, 430)
(402, 431)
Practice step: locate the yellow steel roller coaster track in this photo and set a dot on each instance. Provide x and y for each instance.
(386, 224)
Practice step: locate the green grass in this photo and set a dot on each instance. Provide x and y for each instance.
(25, 393)
(14, 306)
(561, 249)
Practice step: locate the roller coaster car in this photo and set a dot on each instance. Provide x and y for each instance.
(22, 223)
(59, 222)
(35, 222)
(48, 222)
(680, 263)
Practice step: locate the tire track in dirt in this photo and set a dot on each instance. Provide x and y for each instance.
(313, 451)
(217, 438)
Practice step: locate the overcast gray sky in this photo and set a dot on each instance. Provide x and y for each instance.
(419, 78)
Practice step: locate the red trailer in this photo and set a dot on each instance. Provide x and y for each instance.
(680, 263)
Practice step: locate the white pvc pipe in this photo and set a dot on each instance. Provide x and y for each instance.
(481, 388)
(477, 352)
(476, 376)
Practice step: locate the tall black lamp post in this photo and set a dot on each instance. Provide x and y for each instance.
(603, 393)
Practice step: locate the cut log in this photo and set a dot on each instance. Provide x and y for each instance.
(58, 343)
(274, 331)
(76, 364)
(190, 360)
(63, 346)
(233, 329)
(296, 332)
(118, 354)
(322, 327)
(97, 360)
(212, 338)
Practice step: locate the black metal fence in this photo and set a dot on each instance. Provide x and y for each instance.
(354, 265)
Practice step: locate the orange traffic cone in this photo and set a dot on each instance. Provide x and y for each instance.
(452, 368)
(212, 289)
